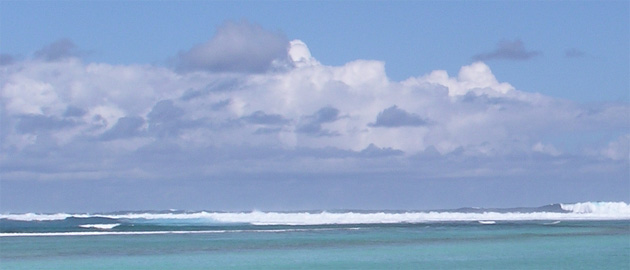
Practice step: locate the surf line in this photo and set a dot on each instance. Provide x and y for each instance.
(487, 222)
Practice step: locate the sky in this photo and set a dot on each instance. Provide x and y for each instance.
(312, 105)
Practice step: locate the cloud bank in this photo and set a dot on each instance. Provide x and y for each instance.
(225, 109)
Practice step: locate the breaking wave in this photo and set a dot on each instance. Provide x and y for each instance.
(100, 226)
(576, 211)
(599, 208)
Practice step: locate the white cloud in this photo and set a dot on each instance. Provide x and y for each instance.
(347, 112)
(29, 97)
(476, 77)
(300, 54)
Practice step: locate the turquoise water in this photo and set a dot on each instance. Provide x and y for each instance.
(440, 245)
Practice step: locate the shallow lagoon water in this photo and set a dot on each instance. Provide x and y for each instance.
(441, 245)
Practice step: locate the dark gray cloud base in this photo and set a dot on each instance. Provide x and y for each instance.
(508, 50)
(262, 118)
(396, 117)
(312, 124)
(236, 47)
(58, 50)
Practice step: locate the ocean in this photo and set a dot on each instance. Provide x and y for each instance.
(561, 236)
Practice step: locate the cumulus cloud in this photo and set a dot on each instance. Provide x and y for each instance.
(58, 50)
(147, 121)
(236, 47)
(396, 117)
(476, 78)
(300, 54)
(508, 50)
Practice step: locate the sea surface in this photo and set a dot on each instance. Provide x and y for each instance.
(562, 236)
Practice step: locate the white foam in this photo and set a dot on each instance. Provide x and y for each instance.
(598, 208)
(578, 211)
(260, 218)
(487, 222)
(100, 226)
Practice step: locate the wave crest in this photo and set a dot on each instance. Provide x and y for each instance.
(576, 211)
(603, 208)
(100, 226)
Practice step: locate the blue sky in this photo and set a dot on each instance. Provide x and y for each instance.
(412, 37)
(405, 104)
